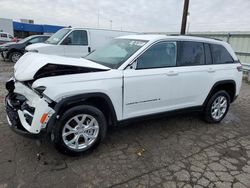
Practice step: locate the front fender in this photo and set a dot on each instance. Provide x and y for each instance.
(71, 101)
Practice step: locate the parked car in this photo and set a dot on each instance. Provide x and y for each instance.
(6, 37)
(75, 42)
(133, 77)
(13, 51)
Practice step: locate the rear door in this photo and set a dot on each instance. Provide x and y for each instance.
(76, 44)
(195, 75)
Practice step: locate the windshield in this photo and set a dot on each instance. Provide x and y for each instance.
(25, 39)
(57, 37)
(116, 52)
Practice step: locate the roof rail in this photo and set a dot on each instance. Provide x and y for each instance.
(205, 37)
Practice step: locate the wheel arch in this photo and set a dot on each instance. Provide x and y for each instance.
(13, 50)
(98, 100)
(228, 85)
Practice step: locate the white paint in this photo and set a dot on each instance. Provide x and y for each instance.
(133, 92)
(96, 39)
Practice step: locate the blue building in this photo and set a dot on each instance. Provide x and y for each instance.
(26, 28)
(22, 30)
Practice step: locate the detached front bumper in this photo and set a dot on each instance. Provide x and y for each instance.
(25, 109)
(15, 123)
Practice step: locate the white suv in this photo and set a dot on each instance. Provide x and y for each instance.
(74, 100)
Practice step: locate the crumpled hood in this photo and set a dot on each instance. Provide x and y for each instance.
(28, 65)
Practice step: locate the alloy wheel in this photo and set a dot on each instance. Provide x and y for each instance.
(80, 132)
(219, 107)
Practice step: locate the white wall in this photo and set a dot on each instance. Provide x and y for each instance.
(6, 25)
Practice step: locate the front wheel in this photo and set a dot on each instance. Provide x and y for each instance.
(80, 129)
(217, 107)
(15, 56)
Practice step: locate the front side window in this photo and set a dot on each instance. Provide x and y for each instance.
(158, 56)
(115, 53)
(190, 53)
(220, 54)
(77, 37)
(58, 36)
(11, 37)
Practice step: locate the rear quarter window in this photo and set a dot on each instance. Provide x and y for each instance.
(220, 54)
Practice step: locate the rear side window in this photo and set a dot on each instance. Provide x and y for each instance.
(34, 40)
(190, 53)
(220, 54)
(42, 39)
(3, 35)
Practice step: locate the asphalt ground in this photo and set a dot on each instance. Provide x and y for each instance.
(179, 151)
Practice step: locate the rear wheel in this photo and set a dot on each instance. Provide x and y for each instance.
(80, 130)
(15, 56)
(217, 107)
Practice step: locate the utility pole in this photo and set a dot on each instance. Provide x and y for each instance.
(184, 17)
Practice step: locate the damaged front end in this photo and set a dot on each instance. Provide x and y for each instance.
(27, 112)
(28, 107)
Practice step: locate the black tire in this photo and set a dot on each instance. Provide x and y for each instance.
(208, 109)
(83, 109)
(13, 57)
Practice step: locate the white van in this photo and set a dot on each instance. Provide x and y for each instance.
(75, 42)
(5, 37)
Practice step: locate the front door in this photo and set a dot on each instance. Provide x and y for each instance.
(76, 44)
(148, 87)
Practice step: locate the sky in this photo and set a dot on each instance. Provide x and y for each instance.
(133, 15)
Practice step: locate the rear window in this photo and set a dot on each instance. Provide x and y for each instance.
(190, 53)
(220, 54)
(3, 35)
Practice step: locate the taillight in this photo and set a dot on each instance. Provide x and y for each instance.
(239, 68)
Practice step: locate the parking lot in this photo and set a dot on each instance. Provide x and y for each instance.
(180, 151)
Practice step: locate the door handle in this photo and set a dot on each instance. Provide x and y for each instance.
(89, 49)
(210, 70)
(172, 73)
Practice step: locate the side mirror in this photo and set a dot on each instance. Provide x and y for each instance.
(67, 41)
(133, 65)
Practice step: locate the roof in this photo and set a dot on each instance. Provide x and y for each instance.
(166, 37)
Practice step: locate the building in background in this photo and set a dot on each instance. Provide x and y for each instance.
(6, 25)
(26, 28)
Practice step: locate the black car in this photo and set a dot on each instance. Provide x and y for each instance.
(13, 51)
